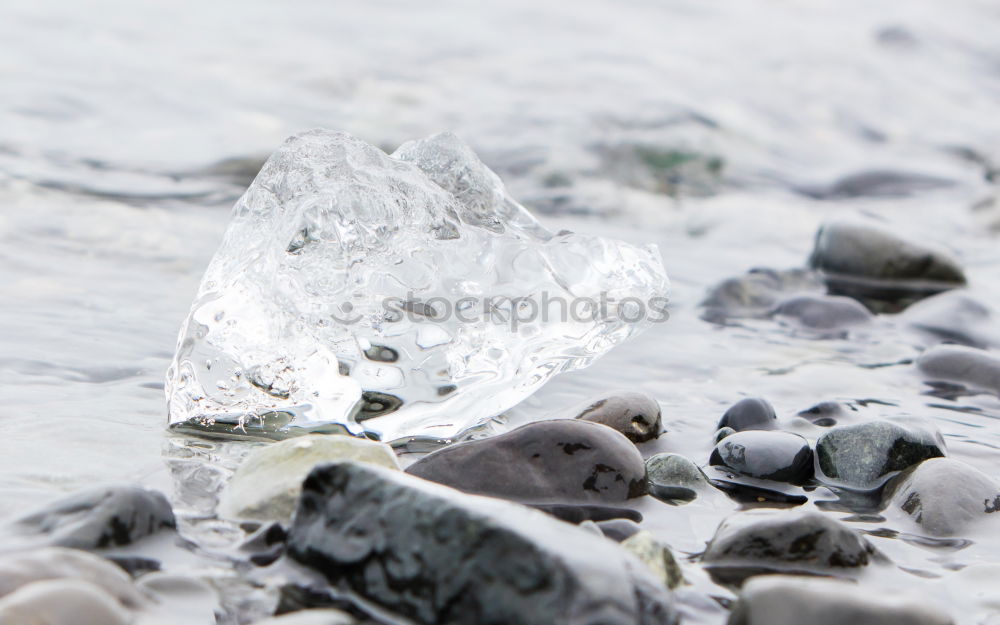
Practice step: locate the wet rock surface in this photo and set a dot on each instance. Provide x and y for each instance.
(751, 413)
(945, 497)
(954, 317)
(675, 478)
(975, 369)
(657, 556)
(563, 460)
(99, 518)
(787, 600)
(266, 485)
(879, 268)
(757, 293)
(822, 315)
(865, 455)
(636, 415)
(432, 546)
(779, 456)
(801, 542)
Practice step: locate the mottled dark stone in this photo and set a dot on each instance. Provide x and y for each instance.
(945, 497)
(558, 461)
(822, 315)
(674, 479)
(751, 413)
(441, 557)
(878, 268)
(972, 368)
(865, 455)
(99, 518)
(636, 415)
(800, 542)
(779, 456)
(788, 600)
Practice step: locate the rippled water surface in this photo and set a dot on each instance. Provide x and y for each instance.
(715, 130)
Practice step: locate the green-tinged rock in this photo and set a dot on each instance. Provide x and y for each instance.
(267, 485)
(657, 556)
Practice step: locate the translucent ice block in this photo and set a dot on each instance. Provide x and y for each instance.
(394, 296)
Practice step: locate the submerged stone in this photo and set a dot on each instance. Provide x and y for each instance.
(674, 478)
(794, 600)
(380, 292)
(945, 497)
(801, 542)
(441, 557)
(866, 455)
(266, 485)
(756, 294)
(562, 460)
(822, 315)
(878, 268)
(954, 317)
(974, 369)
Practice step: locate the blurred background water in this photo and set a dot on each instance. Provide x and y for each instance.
(725, 132)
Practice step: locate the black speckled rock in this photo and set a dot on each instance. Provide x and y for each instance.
(866, 455)
(801, 542)
(751, 413)
(973, 368)
(788, 600)
(636, 415)
(878, 268)
(824, 315)
(945, 497)
(98, 518)
(563, 460)
(441, 557)
(779, 456)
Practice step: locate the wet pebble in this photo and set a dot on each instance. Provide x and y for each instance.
(751, 413)
(756, 294)
(973, 368)
(722, 433)
(822, 315)
(674, 478)
(801, 542)
(778, 456)
(618, 529)
(954, 317)
(794, 600)
(99, 518)
(825, 414)
(878, 268)
(446, 543)
(944, 496)
(657, 556)
(865, 455)
(562, 460)
(266, 485)
(636, 415)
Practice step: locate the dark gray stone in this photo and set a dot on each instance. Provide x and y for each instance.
(883, 271)
(800, 542)
(822, 315)
(866, 455)
(722, 433)
(876, 184)
(973, 368)
(825, 414)
(787, 600)
(779, 456)
(755, 294)
(945, 497)
(751, 413)
(618, 529)
(563, 460)
(440, 557)
(99, 518)
(636, 415)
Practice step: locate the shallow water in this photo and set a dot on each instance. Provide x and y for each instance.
(127, 130)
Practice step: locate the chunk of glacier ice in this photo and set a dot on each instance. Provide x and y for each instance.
(378, 294)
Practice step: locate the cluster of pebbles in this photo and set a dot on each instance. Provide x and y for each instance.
(545, 523)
